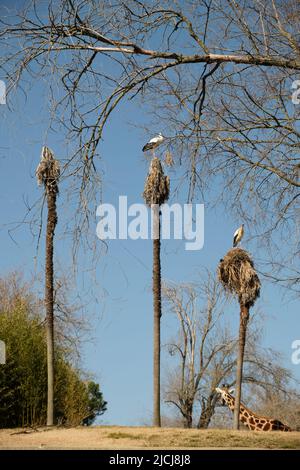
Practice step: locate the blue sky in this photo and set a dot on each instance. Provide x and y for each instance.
(119, 353)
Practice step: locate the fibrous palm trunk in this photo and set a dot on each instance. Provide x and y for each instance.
(157, 316)
(244, 317)
(49, 301)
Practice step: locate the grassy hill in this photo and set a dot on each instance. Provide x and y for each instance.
(117, 437)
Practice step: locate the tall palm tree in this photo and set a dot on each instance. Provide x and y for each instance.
(238, 276)
(156, 193)
(48, 173)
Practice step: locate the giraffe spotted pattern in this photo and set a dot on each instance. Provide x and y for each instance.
(250, 419)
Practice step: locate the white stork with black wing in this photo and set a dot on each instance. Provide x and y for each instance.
(238, 235)
(154, 142)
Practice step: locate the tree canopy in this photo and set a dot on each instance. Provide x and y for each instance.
(216, 74)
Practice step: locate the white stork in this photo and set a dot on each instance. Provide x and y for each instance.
(238, 235)
(154, 142)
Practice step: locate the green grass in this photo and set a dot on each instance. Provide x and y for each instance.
(122, 435)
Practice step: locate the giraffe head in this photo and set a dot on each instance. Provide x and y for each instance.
(225, 394)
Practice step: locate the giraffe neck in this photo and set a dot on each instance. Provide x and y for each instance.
(253, 421)
(229, 400)
(245, 415)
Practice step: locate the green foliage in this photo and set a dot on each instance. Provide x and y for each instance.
(23, 379)
(96, 403)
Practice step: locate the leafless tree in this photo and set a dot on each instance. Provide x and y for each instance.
(281, 403)
(205, 354)
(197, 345)
(217, 74)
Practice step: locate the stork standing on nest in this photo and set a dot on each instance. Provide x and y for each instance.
(154, 143)
(238, 235)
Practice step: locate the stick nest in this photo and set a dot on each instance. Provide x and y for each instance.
(48, 171)
(237, 275)
(157, 185)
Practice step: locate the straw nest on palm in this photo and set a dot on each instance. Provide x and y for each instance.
(48, 171)
(157, 185)
(237, 275)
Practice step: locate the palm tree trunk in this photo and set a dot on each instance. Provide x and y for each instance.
(157, 315)
(49, 300)
(244, 317)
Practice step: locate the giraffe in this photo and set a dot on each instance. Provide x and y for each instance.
(250, 419)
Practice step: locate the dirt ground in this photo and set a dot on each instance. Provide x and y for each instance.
(117, 437)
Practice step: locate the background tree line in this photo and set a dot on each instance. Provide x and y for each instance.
(23, 379)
